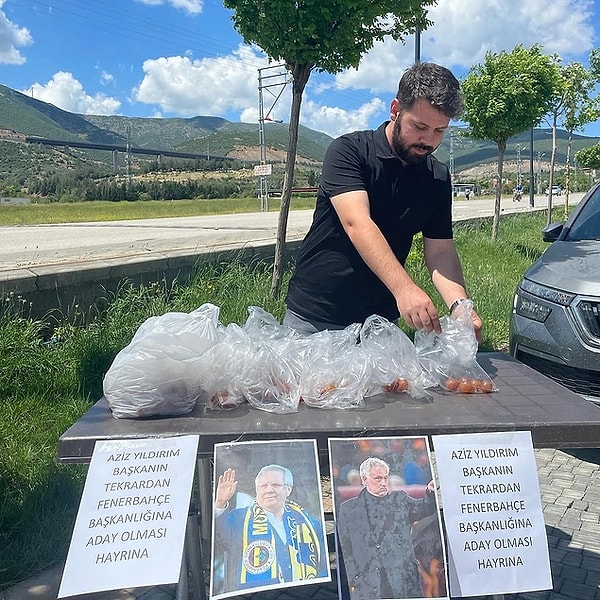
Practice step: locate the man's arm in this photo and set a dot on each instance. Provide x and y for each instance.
(415, 306)
(444, 266)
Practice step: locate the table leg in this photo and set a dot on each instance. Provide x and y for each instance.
(205, 497)
(181, 592)
(193, 556)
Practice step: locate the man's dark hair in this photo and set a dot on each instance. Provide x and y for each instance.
(433, 83)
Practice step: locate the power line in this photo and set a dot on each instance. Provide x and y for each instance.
(116, 22)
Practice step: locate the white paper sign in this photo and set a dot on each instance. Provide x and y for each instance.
(263, 170)
(494, 522)
(130, 526)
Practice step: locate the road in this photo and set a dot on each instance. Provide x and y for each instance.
(28, 247)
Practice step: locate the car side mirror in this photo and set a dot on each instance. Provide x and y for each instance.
(551, 232)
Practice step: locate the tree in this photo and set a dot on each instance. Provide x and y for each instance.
(325, 36)
(508, 94)
(580, 108)
(589, 158)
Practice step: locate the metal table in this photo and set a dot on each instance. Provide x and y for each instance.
(525, 400)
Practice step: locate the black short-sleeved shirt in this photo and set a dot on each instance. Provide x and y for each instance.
(331, 283)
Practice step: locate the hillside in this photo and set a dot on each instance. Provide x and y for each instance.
(469, 153)
(217, 136)
(163, 134)
(22, 114)
(202, 134)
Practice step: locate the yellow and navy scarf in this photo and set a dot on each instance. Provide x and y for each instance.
(259, 557)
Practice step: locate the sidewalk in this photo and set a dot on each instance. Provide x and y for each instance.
(570, 490)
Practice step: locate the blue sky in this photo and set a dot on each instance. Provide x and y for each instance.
(167, 58)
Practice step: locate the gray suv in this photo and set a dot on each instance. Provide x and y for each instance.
(555, 321)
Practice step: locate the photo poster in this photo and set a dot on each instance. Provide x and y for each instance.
(495, 527)
(268, 519)
(389, 538)
(130, 526)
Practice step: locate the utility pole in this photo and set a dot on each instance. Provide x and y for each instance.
(531, 174)
(265, 82)
(518, 164)
(129, 176)
(539, 172)
(417, 46)
(452, 159)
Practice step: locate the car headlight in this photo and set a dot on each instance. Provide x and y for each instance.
(532, 309)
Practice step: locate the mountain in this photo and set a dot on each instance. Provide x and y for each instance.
(162, 134)
(468, 153)
(28, 116)
(22, 116)
(203, 134)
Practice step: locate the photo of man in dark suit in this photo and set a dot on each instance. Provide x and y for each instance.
(376, 532)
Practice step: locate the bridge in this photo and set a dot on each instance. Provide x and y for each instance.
(31, 139)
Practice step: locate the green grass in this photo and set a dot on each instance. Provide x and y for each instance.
(45, 385)
(83, 212)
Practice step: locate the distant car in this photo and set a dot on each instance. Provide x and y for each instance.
(556, 190)
(555, 321)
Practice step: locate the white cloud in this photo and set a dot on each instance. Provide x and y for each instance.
(463, 31)
(66, 92)
(380, 69)
(208, 86)
(106, 78)
(334, 120)
(192, 7)
(12, 37)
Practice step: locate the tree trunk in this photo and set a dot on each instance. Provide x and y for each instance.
(496, 221)
(551, 176)
(300, 75)
(568, 174)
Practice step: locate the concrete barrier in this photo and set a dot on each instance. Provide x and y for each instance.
(52, 293)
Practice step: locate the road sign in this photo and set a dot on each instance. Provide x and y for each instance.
(260, 170)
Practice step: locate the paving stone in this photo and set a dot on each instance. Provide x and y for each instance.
(573, 557)
(577, 591)
(575, 574)
(591, 562)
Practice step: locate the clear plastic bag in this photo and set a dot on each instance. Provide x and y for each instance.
(334, 370)
(222, 369)
(156, 373)
(272, 378)
(393, 363)
(450, 358)
(264, 329)
(270, 383)
(242, 368)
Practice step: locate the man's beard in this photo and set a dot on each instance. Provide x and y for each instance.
(403, 150)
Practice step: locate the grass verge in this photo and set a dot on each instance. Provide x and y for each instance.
(97, 211)
(45, 385)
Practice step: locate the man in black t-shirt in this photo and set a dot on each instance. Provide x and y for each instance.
(378, 189)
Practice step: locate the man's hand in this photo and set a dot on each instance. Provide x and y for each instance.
(463, 316)
(418, 310)
(226, 487)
